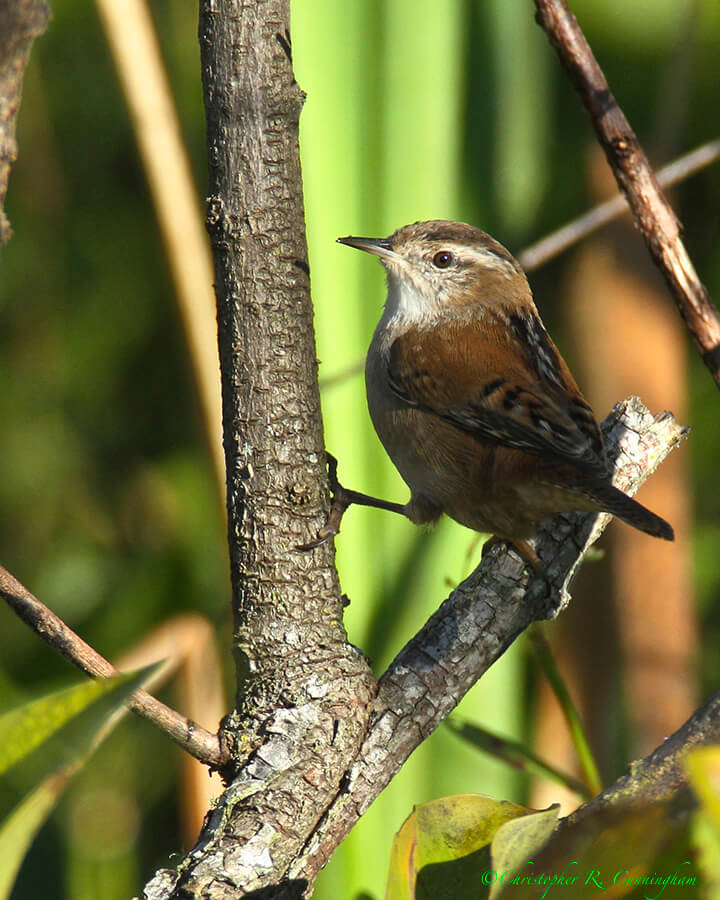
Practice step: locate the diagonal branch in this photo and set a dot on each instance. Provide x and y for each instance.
(474, 627)
(660, 774)
(652, 213)
(190, 736)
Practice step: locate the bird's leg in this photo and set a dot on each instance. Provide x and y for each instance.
(342, 498)
(523, 548)
(529, 555)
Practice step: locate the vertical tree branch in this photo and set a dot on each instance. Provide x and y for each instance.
(21, 21)
(652, 214)
(303, 692)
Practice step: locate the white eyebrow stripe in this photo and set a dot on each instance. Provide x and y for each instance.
(488, 258)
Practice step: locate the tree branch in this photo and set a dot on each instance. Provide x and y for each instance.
(303, 691)
(427, 679)
(20, 23)
(474, 627)
(189, 735)
(660, 774)
(652, 214)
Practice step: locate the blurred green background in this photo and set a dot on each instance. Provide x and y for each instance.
(415, 109)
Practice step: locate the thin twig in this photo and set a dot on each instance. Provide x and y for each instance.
(201, 744)
(652, 213)
(684, 167)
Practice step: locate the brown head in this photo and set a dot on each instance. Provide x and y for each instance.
(441, 266)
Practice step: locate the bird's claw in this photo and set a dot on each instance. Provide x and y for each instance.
(340, 502)
(525, 550)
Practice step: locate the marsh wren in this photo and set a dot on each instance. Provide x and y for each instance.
(470, 397)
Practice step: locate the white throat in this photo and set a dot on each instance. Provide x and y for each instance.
(404, 306)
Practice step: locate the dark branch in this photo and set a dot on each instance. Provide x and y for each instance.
(190, 736)
(660, 774)
(20, 23)
(652, 213)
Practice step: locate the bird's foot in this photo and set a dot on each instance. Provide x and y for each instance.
(342, 498)
(525, 549)
(339, 504)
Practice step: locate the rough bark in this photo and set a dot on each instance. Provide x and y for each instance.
(427, 679)
(303, 691)
(21, 21)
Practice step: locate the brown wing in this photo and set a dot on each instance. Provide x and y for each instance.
(502, 381)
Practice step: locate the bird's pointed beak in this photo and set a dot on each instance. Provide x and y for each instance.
(381, 247)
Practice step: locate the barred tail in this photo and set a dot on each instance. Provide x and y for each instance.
(614, 501)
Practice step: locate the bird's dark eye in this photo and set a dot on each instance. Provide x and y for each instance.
(443, 259)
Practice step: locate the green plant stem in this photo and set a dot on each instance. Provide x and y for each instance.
(546, 661)
(515, 754)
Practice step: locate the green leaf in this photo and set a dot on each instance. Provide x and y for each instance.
(443, 848)
(25, 728)
(518, 840)
(45, 742)
(706, 841)
(703, 768)
(20, 827)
